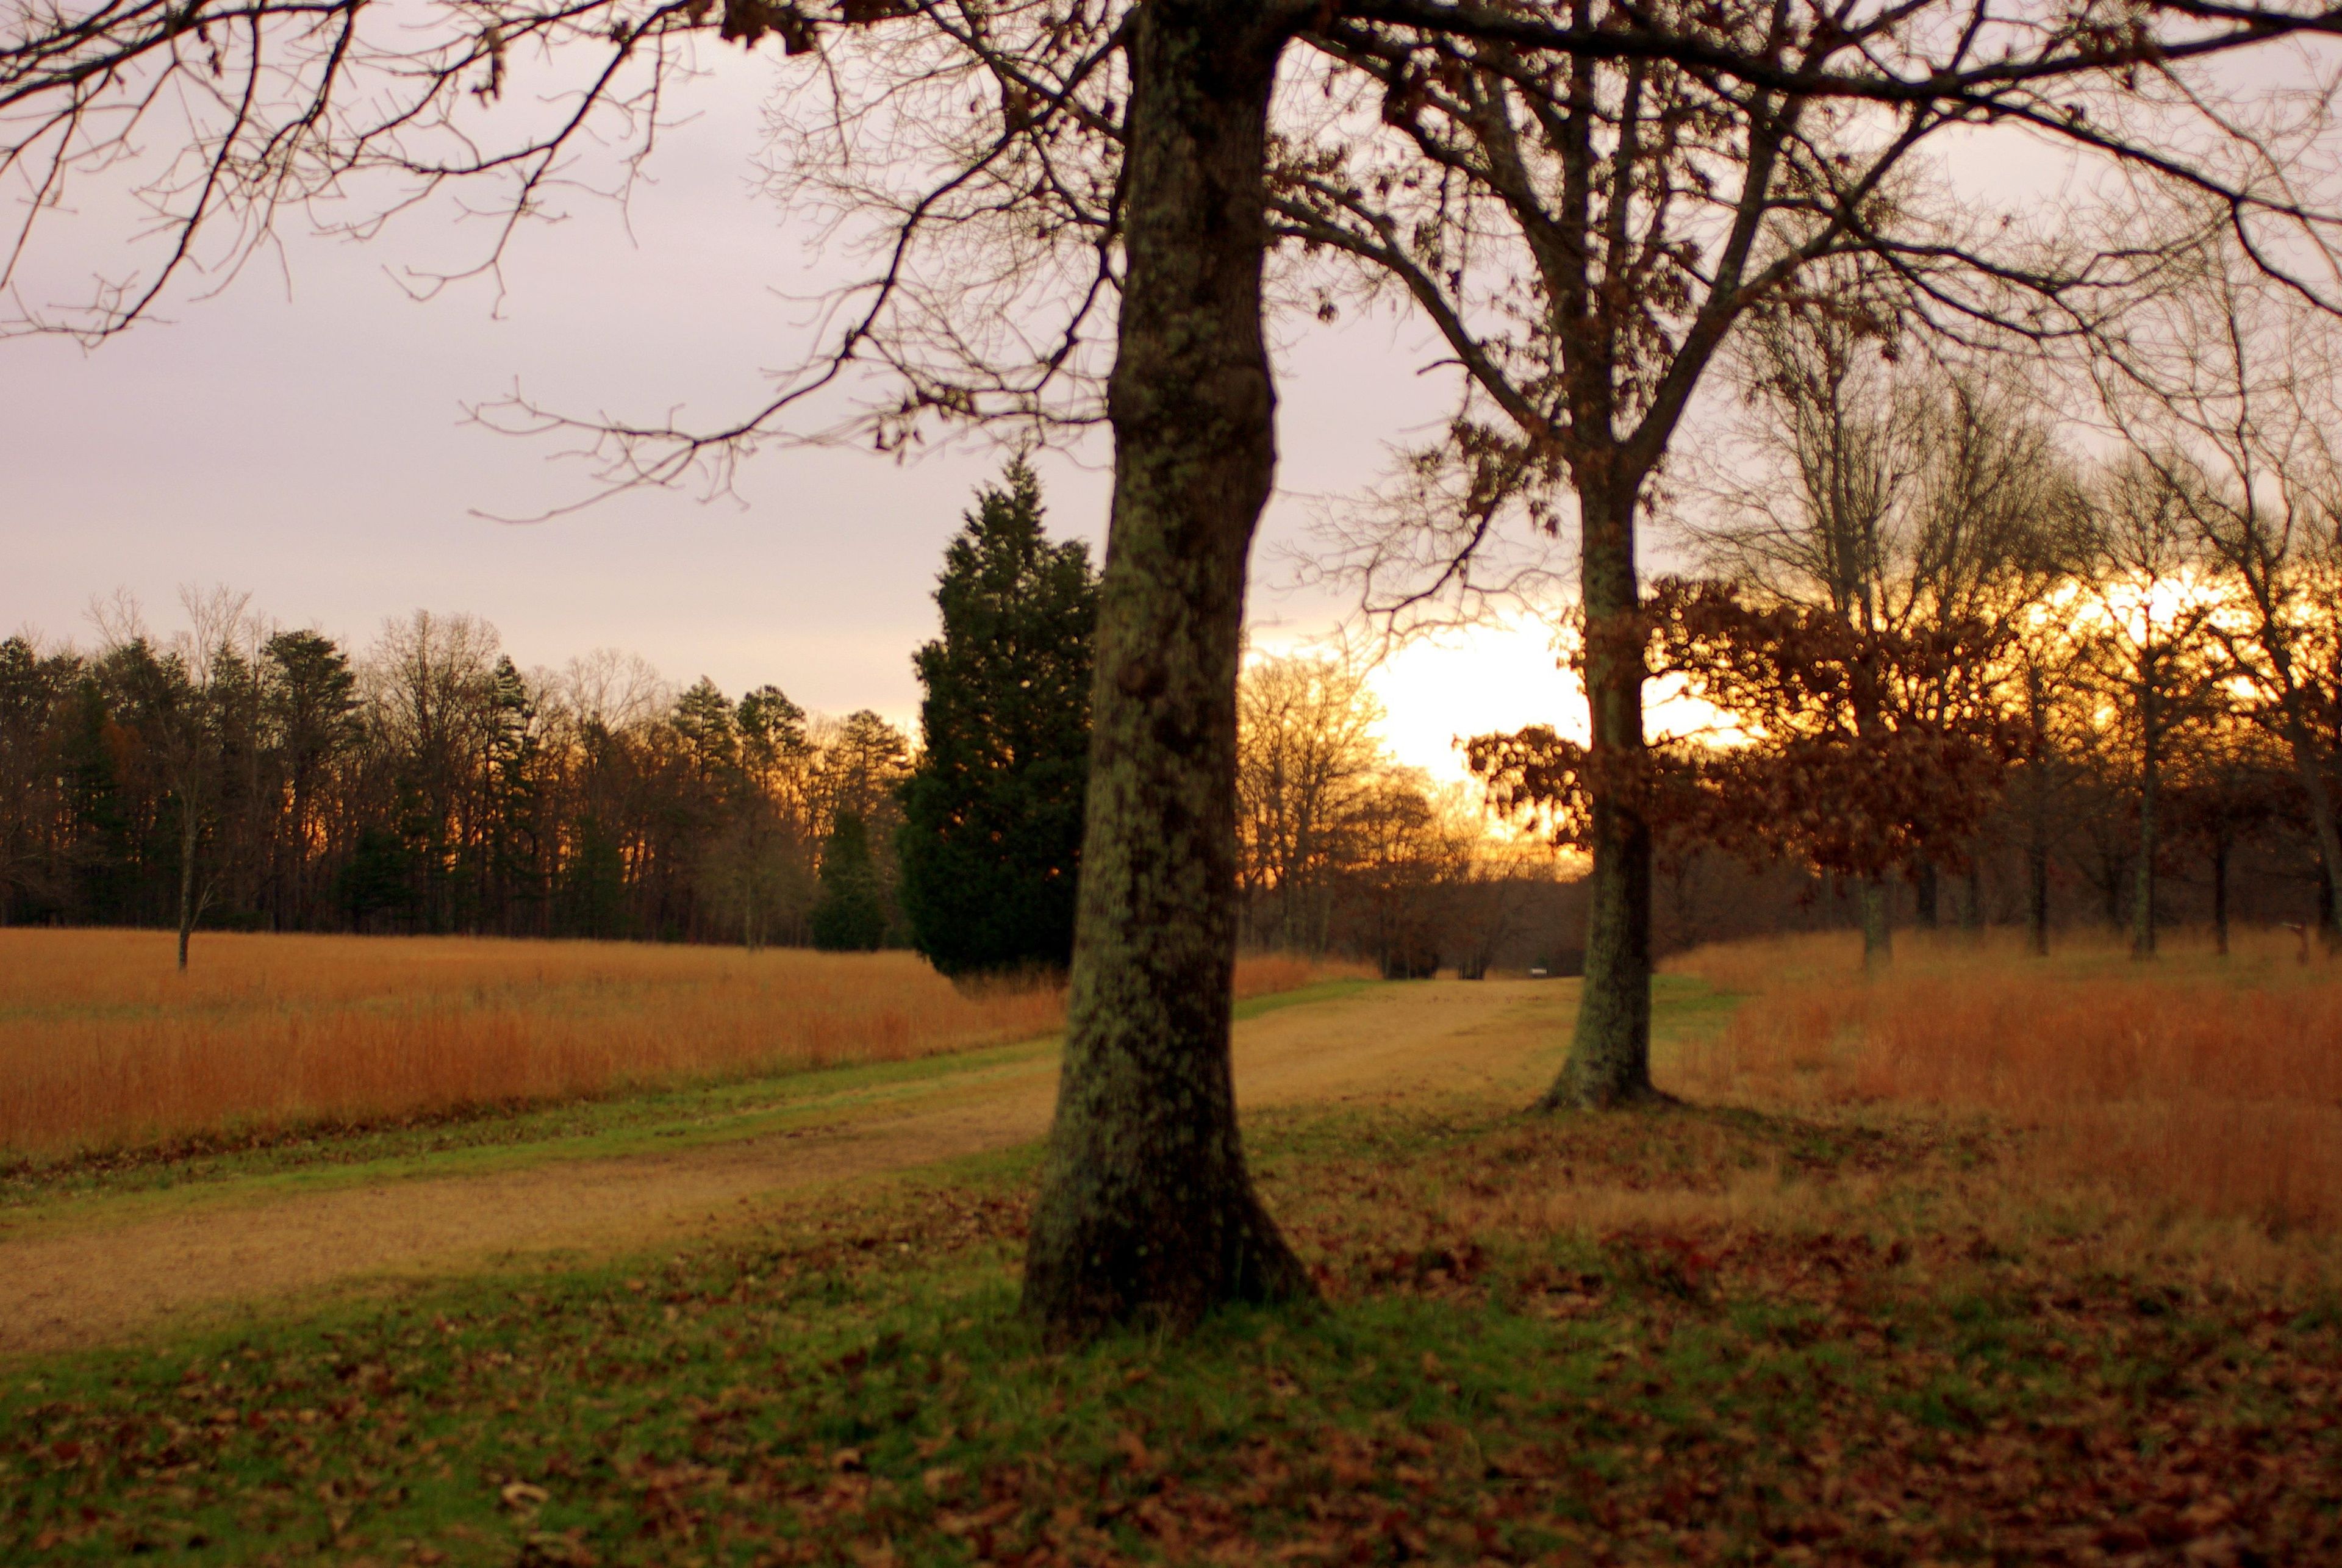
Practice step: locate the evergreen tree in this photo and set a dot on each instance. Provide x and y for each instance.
(593, 883)
(704, 722)
(375, 879)
(516, 841)
(991, 843)
(851, 917)
(313, 712)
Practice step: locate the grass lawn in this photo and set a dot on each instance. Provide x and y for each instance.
(1823, 1333)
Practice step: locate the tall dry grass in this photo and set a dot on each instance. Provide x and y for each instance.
(2208, 1084)
(103, 1046)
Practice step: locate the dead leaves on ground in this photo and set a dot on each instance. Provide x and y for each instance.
(1650, 1393)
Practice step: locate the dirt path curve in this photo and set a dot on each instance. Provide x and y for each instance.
(229, 1253)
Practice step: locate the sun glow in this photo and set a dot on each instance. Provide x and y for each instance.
(1439, 691)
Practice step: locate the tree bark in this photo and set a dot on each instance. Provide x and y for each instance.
(2310, 767)
(2150, 778)
(1609, 1060)
(2036, 817)
(2220, 895)
(2036, 913)
(1878, 926)
(1147, 1212)
(190, 831)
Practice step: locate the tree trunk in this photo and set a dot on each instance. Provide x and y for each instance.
(1925, 888)
(1609, 1060)
(2142, 902)
(1147, 1212)
(2309, 768)
(2037, 912)
(1972, 911)
(2036, 816)
(190, 829)
(2220, 895)
(1878, 926)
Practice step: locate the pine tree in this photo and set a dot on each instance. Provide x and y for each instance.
(851, 916)
(991, 843)
(313, 716)
(514, 848)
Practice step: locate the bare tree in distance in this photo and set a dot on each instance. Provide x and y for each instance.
(1831, 517)
(2222, 384)
(2142, 619)
(1901, 493)
(194, 675)
(1306, 753)
(1066, 200)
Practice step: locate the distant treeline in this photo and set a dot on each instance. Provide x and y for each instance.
(275, 780)
(427, 783)
(237, 774)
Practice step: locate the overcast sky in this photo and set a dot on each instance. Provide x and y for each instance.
(305, 440)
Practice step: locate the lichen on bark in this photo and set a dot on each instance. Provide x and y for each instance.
(1146, 1211)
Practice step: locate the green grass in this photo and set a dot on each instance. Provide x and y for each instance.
(856, 1385)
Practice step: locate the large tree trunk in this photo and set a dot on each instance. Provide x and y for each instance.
(1609, 1060)
(1147, 1212)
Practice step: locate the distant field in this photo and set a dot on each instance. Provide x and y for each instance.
(2203, 1083)
(101, 1044)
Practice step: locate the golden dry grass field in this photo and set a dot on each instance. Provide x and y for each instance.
(101, 1044)
(2190, 1084)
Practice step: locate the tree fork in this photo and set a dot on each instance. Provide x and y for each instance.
(1146, 1211)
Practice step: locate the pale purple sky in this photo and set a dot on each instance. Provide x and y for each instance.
(307, 445)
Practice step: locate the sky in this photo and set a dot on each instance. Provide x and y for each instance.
(301, 435)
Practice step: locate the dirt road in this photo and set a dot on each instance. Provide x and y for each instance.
(113, 1272)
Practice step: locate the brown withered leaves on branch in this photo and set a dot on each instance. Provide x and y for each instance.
(1858, 752)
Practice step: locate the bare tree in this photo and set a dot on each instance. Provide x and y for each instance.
(2223, 383)
(1042, 180)
(1831, 515)
(1306, 754)
(189, 681)
(2141, 619)
(2050, 676)
(1897, 492)
(1586, 227)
